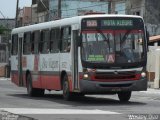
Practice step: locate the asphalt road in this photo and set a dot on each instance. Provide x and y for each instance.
(16, 105)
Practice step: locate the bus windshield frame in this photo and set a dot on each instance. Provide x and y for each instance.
(113, 33)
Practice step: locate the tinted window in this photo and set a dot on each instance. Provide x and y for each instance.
(54, 41)
(66, 39)
(14, 44)
(27, 43)
(44, 43)
(35, 41)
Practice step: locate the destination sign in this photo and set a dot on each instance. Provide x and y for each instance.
(91, 23)
(114, 23)
(117, 22)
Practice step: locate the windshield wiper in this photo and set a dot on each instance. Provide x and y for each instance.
(125, 36)
(105, 38)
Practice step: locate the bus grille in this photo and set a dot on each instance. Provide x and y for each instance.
(118, 76)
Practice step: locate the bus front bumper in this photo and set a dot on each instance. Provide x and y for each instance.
(94, 87)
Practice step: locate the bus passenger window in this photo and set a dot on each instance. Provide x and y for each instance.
(27, 43)
(66, 39)
(14, 44)
(35, 39)
(32, 46)
(44, 43)
(55, 37)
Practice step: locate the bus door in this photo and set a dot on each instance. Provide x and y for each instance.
(20, 72)
(75, 54)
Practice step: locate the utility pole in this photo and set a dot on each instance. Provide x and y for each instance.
(17, 11)
(59, 9)
(109, 6)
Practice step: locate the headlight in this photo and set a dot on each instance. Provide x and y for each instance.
(85, 76)
(143, 74)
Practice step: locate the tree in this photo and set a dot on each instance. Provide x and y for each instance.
(3, 29)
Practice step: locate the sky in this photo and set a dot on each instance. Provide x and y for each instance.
(8, 7)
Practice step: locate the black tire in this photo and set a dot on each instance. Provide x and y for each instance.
(33, 92)
(67, 95)
(78, 96)
(124, 96)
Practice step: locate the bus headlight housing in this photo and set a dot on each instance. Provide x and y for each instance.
(85, 76)
(143, 74)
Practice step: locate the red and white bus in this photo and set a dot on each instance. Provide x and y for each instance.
(92, 54)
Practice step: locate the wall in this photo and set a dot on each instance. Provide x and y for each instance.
(34, 14)
(26, 15)
(2, 69)
(135, 7)
(118, 7)
(42, 17)
(152, 16)
(72, 8)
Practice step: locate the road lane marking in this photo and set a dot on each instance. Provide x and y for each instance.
(55, 111)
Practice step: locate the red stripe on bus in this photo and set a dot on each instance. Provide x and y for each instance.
(14, 78)
(46, 82)
(42, 81)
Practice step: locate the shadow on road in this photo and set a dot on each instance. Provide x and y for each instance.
(80, 101)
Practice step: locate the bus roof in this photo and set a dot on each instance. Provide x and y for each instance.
(64, 22)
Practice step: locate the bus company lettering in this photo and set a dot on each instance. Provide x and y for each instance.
(53, 64)
(49, 63)
(64, 64)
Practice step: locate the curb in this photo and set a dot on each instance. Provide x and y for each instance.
(5, 79)
(151, 91)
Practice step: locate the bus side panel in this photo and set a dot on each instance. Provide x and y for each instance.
(51, 82)
(65, 65)
(35, 68)
(30, 64)
(14, 70)
(70, 79)
(14, 77)
(49, 71)
(36, 81)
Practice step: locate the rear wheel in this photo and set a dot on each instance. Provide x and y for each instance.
(124, 96)
(33, 91)
(67, 95)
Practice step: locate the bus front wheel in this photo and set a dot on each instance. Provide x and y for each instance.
(67, 95)
(33, 92)
(124, 96)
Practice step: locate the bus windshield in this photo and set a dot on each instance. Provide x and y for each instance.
(112, 46)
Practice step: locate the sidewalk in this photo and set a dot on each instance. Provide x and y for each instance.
(152, 91)
(4, 79)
